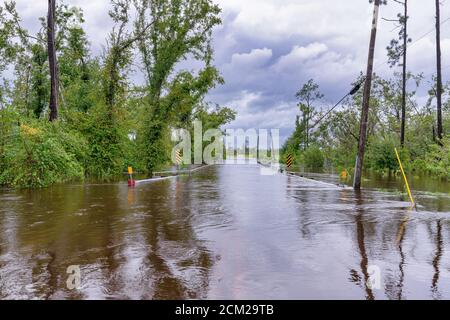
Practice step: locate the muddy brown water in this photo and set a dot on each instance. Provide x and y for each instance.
(227, 232)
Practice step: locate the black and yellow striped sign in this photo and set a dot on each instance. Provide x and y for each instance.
(179, 157)
(289, 160)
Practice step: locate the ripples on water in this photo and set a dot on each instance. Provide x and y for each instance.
(225, 232)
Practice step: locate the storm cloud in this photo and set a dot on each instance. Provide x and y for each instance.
(266, 49)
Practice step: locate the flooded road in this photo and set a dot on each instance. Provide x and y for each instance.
(226, 232)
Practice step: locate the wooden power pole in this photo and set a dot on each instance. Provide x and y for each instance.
(53, 65)
(440, 131)
(366, 100)
(405, 43)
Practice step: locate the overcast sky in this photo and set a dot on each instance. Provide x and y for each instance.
(266, 49)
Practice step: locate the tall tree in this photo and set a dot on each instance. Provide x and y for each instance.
(397, 51)
(440, 131)
(307, 95)
(52, 60)
(118, 54)
(38, 91)
(7, 50)
(179, 28)
(366, 98)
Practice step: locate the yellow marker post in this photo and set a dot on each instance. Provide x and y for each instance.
(404, 177)
(131, 182)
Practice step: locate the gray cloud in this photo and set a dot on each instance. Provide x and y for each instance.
(322, 39)
(266, 49)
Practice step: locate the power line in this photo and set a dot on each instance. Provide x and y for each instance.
(358, 86)
(351, 93)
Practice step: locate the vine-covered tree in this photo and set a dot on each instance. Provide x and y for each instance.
(178, 29)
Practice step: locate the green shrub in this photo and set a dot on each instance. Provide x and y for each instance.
(154, 143)
(42, 154)
(314, 158)
(107, 140)
(437, 161)
(381, 155)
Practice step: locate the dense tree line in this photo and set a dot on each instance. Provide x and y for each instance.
(334, 141)
(383, 116)
(66, 114)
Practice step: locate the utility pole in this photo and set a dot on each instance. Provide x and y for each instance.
(52, 62)
(366, 100)
(440, 131)
(405, 42)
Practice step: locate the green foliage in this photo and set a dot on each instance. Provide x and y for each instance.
(8, 121)
(437, 161)
(314, 158)
(38, 153)
(39, 80)
(107, 138)
(105, 156)
(214, 118)
(174, 30)
(308, 95)
(41, 154)
(155, 143)
(99, 107)
(78, 73)
(291, 146)
(381, 156)
(338, 133)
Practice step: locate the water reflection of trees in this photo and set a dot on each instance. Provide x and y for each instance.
(366, 224)
(73, 225)
(360, 239)
(178, 263)
(436, 260)
(395, 279)
(142, 243)
(105, 230)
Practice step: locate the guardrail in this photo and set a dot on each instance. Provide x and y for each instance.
(171, 174)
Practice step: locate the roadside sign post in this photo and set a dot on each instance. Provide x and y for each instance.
(179, 159)
(289, 161)
(131, 181)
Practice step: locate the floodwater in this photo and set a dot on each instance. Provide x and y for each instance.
(226, 232)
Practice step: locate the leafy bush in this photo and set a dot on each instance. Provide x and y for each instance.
(437, 161)
(154, 143)
(43, 154)
(107, 139)
(314, 158)
(381, 155)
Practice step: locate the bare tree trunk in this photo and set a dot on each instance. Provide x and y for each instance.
(53, 65)
(405, 42)
(439, 72)
(366, 100)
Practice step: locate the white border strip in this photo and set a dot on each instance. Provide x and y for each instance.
(171, 177)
